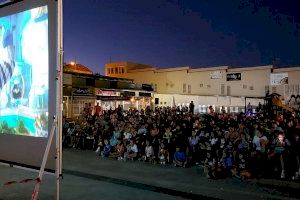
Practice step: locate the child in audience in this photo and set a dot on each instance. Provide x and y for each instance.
(149, 152)
(119, 151)
(180, 158)
(210, 166)
(106, 149)
(163, 154)
(132, 151)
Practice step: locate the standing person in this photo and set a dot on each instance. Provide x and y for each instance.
(193, 147)
(191, 107)
(98, 110)
(281, 146)
(249, 109)
(259, 154)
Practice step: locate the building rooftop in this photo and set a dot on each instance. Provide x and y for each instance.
(77, 68)
(129, 65)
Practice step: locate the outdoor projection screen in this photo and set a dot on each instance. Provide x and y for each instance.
(28, 64)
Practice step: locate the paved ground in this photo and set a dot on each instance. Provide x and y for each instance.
(86, 176)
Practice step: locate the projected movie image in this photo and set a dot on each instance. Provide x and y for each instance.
(24, 73)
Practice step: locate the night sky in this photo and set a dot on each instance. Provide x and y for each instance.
(176, 33)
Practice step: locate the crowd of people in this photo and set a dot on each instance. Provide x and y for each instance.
(225, 144)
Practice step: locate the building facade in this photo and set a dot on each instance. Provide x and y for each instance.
(223, 85)
(109, 92)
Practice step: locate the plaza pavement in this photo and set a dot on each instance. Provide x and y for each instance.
(87, 176)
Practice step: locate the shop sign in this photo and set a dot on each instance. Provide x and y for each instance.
(128, 94)
(144, 94)
(82, 92)
(216, 75)
(113, 98)
(279, 79)
(234, 77)
(106, 92)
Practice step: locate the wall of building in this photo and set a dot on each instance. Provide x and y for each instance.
(199, 82)
(232, 104)
(293, 86)
(254, 82)
(202, 83)
(116, 69)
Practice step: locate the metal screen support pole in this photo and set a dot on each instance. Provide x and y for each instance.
(45, 158)
(59, 86)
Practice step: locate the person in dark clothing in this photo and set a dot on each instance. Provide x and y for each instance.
(191, 107)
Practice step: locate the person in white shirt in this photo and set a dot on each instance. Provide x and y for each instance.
(259, 155)
(259, 142)
(127, 133)
(142, 130)
(149, 152)
(132, 151)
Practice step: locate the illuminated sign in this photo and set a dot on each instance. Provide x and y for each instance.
(82, 92)
(106, 92)
(279, 79)
(234, 77)
(216, 75)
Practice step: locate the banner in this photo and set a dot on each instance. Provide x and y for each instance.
(216, 75)
(144, 94)
(234, 77)
(279, 79)
(106, 92)
(82, 92)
